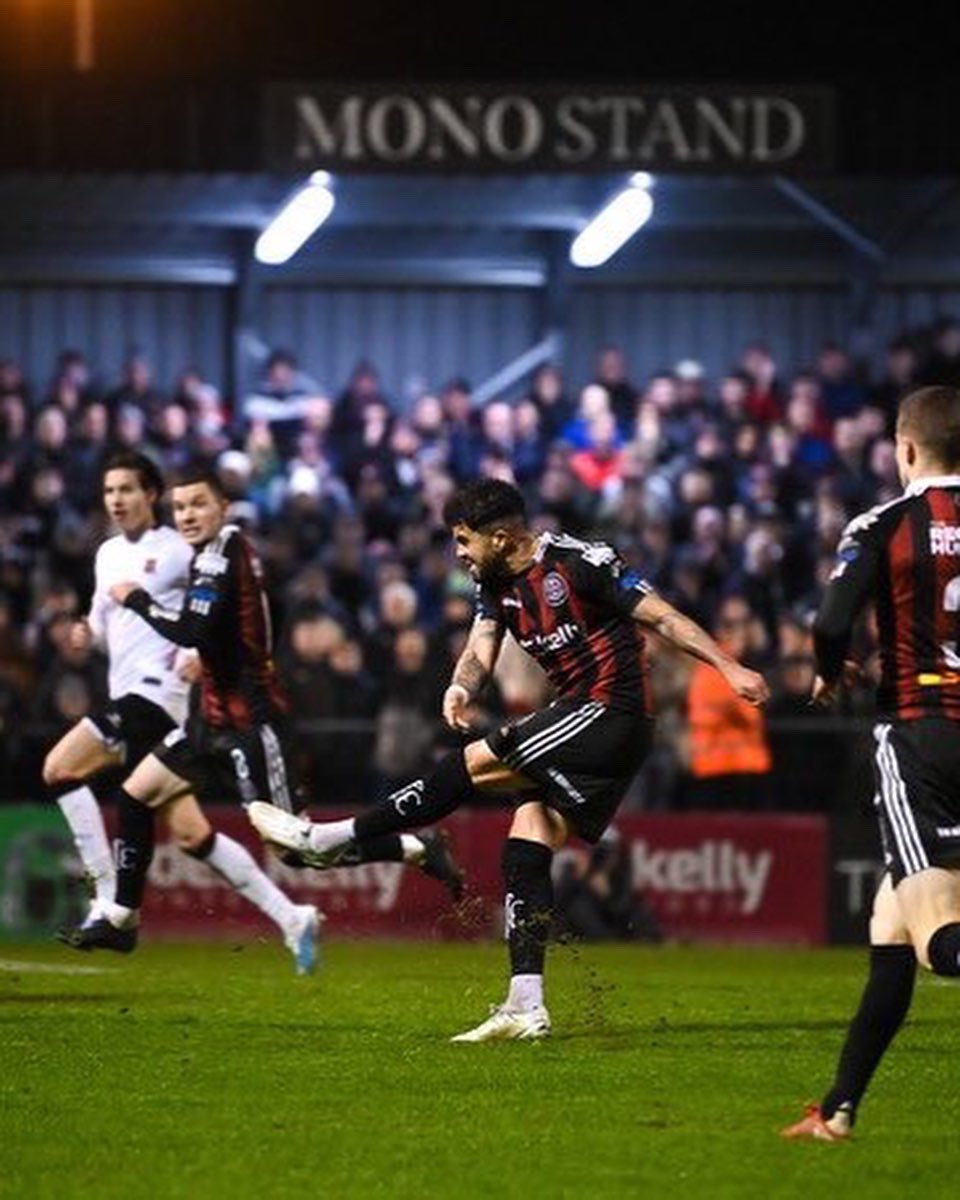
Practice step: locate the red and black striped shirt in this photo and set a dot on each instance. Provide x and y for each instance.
(571, 611)
(225, 617)
(905, 556)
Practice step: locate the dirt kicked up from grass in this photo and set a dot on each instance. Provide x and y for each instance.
(210, 1070)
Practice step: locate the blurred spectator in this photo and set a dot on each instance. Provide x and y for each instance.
(899, 376)
(730, 759)
(764, 402)
(841, 392)
(362, 391)
(942, 364)
(595, 898)
(279, 400)
(12, 381)
(548, 394)
(136, 388)
(612, 377)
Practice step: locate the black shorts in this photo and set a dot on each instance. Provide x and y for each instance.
(230, 764)
(917, 768)
(583, 754)
(131, 726)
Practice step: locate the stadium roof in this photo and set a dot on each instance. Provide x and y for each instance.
(508, 230)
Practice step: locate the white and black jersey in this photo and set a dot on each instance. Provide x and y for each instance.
(141, 661)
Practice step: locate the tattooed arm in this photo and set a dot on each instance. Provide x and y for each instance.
(474, 667)
(654, 612)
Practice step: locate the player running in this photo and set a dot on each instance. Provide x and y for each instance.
(905, 556)
(235, 750)
(578, 611)
(149, 694)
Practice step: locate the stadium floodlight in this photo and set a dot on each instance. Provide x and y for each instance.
(614, 224)
(298, 220)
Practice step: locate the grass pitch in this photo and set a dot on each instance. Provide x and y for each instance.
(209, 1070)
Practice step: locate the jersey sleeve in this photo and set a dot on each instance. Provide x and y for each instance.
(850, 585)
(487, 606)
(209, 587)
(97, 616)
(601, 576)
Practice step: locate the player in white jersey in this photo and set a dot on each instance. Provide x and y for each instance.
(149, 685)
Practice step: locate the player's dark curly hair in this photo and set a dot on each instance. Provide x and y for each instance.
(145, 469)
(483, 503)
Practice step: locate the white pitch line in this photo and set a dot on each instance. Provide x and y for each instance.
(39, 968)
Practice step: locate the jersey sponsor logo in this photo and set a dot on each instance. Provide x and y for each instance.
(945, 539)
(555, 590)
(548, 642)
(510, 602)
(948, 831)
(210, 562)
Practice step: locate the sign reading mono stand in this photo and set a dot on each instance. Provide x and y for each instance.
(516, 128)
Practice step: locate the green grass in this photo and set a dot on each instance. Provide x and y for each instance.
(208, 1071)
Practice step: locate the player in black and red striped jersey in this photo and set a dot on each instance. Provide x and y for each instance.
(905, 557)
(579, 612)
(236, 750)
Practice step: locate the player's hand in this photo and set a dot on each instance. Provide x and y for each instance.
(825, 695)
(120, 591)
(81, 635)
(187, 666)
(456, 701)
(749, 685)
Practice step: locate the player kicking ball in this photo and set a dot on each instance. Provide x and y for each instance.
(580, 613)
(905, 556)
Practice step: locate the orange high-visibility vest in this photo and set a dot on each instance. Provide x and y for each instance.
(727, 735)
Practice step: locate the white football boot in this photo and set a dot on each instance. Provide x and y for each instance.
(510, 1025)
(302, 937)
(284, 829)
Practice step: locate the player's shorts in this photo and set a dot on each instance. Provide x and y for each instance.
(232, 765)
(917, 768)
(131, 726)
(583, 754)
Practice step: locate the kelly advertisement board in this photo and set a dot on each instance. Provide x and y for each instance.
(706, 877)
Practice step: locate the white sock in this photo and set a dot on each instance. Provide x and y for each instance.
(329, 835)
(526, 992)
(83, 815)
(122, 917)
(239, 868)
(413, 848)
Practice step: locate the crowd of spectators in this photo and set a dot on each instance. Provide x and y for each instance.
(729, 494)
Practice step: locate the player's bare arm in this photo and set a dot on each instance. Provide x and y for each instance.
(657, 614)
(474, 667)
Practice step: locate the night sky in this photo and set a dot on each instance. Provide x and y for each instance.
(375, 39)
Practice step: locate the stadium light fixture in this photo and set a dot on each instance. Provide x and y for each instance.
(296, 222)
(614, 224)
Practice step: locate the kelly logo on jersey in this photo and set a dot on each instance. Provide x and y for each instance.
(562, 636)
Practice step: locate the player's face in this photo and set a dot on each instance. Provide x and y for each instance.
(483, 554)
(198, 512)
(128, 505)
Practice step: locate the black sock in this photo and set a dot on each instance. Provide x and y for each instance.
(528, 903)
(419, 803)
(134, 849)
(385, 848)
(883, 1007)
(943, 950)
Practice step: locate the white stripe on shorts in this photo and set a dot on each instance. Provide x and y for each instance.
(893, 794)
(276, 771)
(548, 739)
